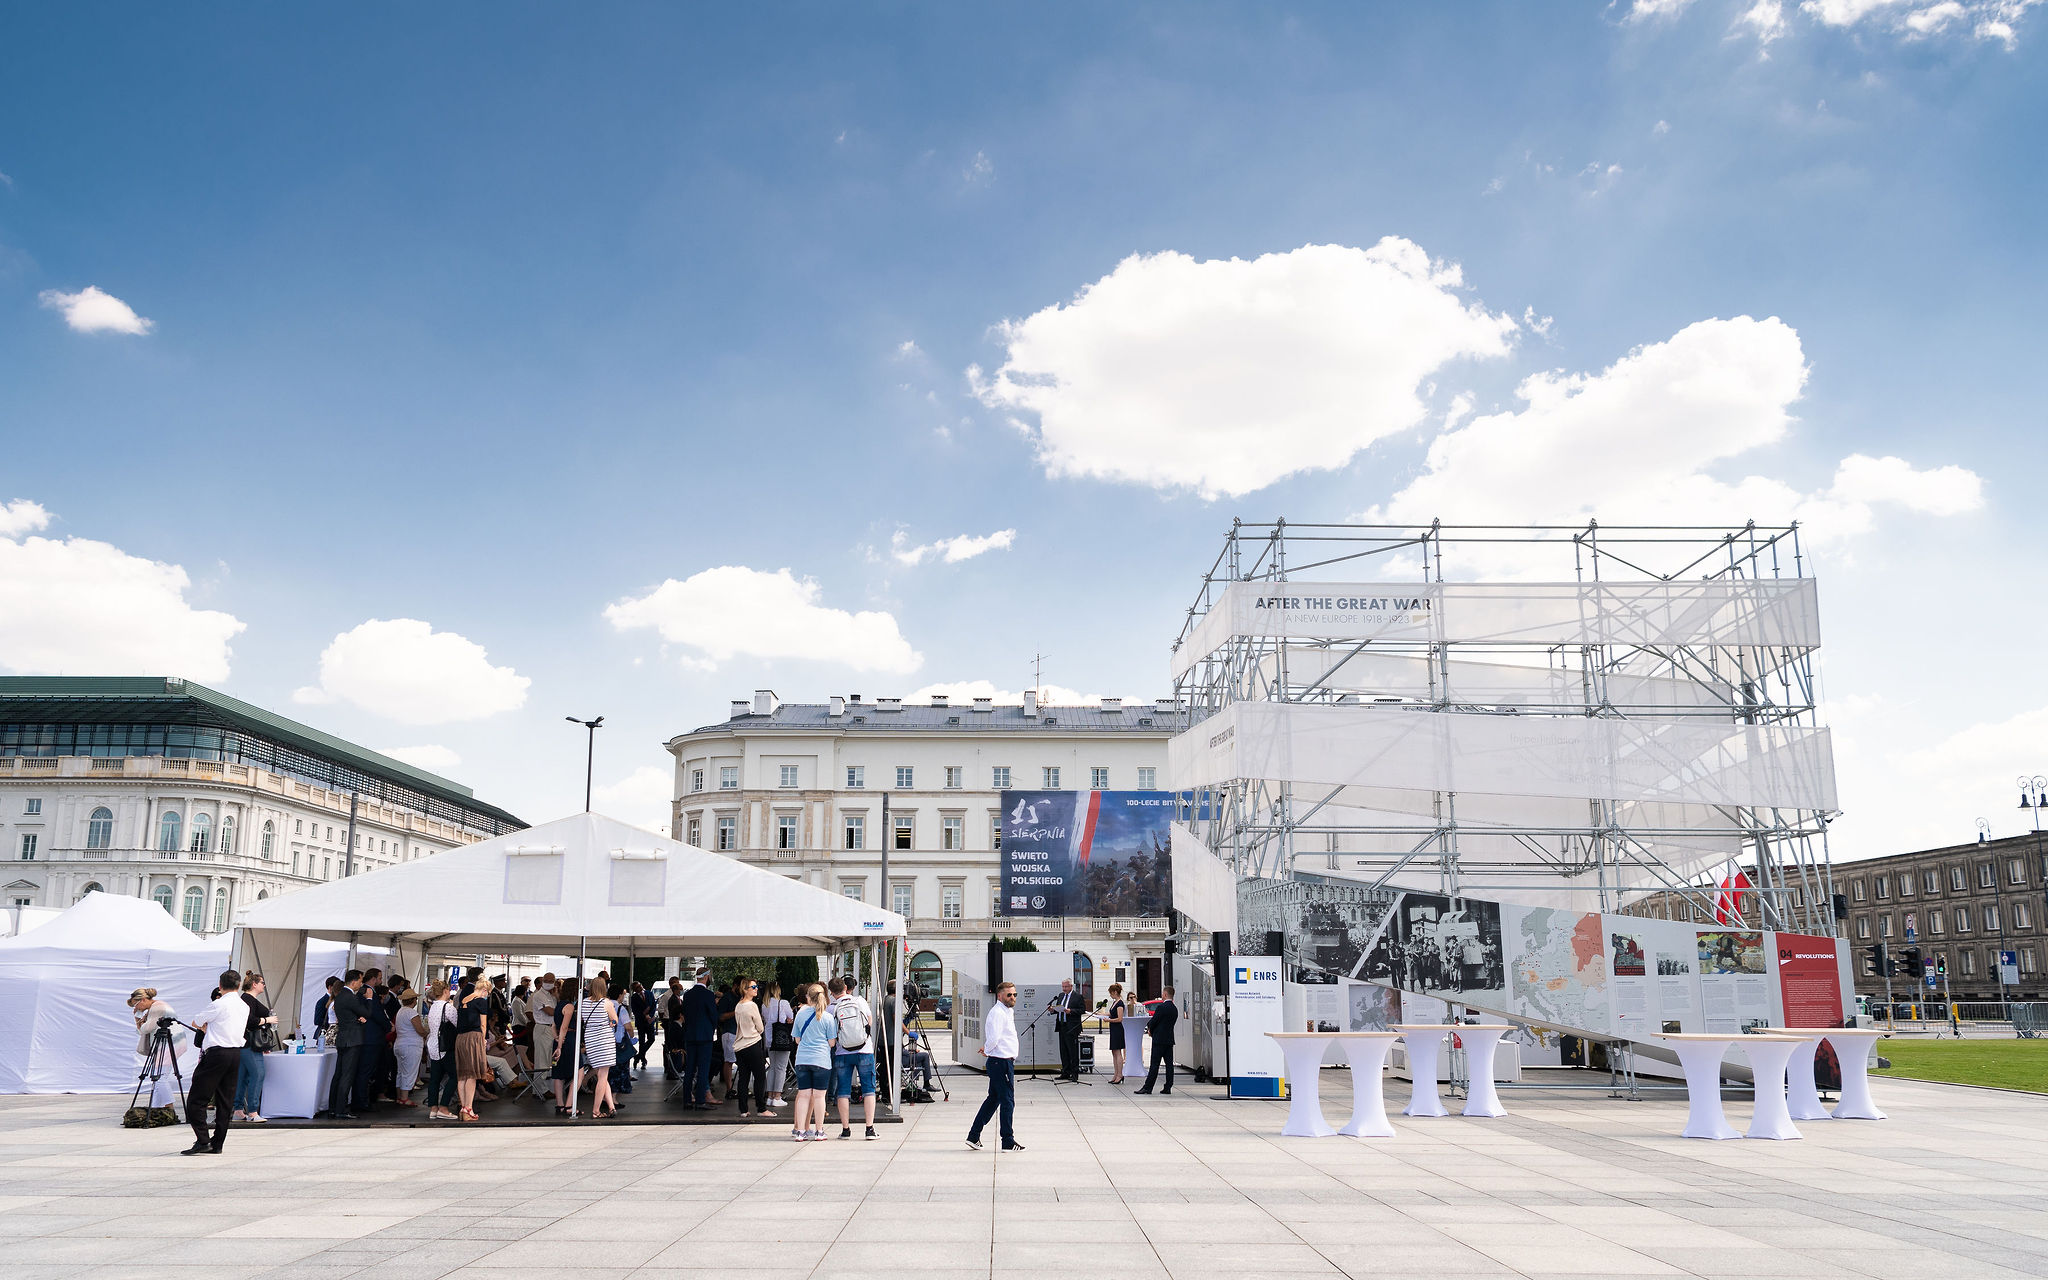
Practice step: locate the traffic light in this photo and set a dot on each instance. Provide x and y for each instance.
(1875, 962)
(1941, 966)
(1909, 962)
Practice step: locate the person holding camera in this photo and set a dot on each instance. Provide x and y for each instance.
(163, 1089)
(225, 1023)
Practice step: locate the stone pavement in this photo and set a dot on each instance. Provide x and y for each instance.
(1135, 1188)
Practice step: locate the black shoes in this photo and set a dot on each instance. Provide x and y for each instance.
(871, 1133)
(974, 1144)
(1146, 1089)
(200, 1149)
(848, 1133)
(1015, 1146)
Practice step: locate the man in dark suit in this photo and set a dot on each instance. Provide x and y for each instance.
(700, 1041)
(351, 1015)
(378, 1055)
(1164, 1015)
(1066, 1021)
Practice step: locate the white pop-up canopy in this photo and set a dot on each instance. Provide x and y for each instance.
(586, 884)
(64, 1022)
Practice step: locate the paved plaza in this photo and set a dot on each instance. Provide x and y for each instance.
(1136, 1188)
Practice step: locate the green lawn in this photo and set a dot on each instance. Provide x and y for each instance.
(2004, 1064)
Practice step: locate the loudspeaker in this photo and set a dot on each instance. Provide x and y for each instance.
(995, 963)
(1276, 944)
(1219, 951)
(1841, 906)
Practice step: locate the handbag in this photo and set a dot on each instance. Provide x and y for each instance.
(780, 1040)
(263, 1038)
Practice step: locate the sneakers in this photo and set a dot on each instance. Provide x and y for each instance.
(871, 1133)
(797, 1135)
(974, 1144)
(1015, 1146)
(845, 1131)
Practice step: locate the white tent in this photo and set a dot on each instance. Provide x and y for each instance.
(65, 1026)
(583, 885)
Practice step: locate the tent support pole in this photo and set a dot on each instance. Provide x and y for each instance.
(896, 1028)
(575, 1076)
(352, 950)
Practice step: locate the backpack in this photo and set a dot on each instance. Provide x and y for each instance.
(853, 1026)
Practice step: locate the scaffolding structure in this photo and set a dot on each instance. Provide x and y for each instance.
(1568, 715)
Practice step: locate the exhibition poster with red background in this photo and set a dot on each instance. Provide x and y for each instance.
(1809, 980)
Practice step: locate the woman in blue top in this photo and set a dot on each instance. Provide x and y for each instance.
(815, 1030)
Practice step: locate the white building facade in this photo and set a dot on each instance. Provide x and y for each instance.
(168, 791)
(816, 790)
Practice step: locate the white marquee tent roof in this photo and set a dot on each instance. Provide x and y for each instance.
(584, 881)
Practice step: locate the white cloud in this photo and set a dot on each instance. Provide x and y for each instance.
(980, 171)
(1638, 443)
(76, 607)
(1225, 376)
(641, 798)
(1461, 409)
(92, 311)
(1934, 17)
(733, 611)
(1917, 790)
(949, 550)
(1663, 127)
(908, 350)
(22, 516)
(1646, 9)
(1764, 20)
(1986, 19)
(429, 756)
(406, 671)
(964, 692)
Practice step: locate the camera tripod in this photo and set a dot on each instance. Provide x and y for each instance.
(161, 1050)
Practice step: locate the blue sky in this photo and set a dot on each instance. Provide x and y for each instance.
(497, 320)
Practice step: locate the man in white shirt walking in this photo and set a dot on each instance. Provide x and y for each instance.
(999, 1049)
(226, 1023)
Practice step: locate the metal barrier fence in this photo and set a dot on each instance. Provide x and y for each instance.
(2025, 1019)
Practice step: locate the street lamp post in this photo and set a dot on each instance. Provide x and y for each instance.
(590, 756)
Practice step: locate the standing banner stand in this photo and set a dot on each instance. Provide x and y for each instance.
(1257, 1067)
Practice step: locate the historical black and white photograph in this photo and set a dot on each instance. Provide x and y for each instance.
(1440, 944)
(1326, 930)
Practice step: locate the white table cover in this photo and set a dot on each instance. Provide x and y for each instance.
(296, 1084)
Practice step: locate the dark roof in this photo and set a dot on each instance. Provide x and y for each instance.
(858, 717)
(168, 700)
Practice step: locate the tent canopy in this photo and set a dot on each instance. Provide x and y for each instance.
(584, 882)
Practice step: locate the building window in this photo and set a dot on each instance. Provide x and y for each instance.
(788, 773)
(91, 886)
(295, 863)
(1986, 877)
(995, 901)
(696, 780)
(168, 829)
(33, 806)
(904, 776)
(28, 846)
(1098, 779)
(1884, 888)
(728, 833)
(1856, 890)
(995, 831)
(298, 826)
(1968, 960)
(2016, 872)
(856, 779)
(1051, 775)
(220, 910)
(999, 778)
(330, 835)
(856, 831)
(1148, 779)
(1955, 879)
(1931, 881)
(227, 835)
(785, 832)
(327, 868)
(956, 778)
(99, 829)
(953, 834)
(1962, 919)
(728, 777)
(2021, 918)
(1934, 925)
(1991, 917)
(1884, 924)
(1863, 926)
(900, 898)
(194, 917)
(162, 894)
(2026, 959)
(269, 840)
(950, 897)
(853, 889)
(696, 830)
(929, 973)
(905, 825)
(1905, 884)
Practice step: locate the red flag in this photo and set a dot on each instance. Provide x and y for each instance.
(1735, 886)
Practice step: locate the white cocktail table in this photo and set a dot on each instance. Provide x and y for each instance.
(296, 1084)
(1769, 1056)
(1802, 1096)
(1366, 1052)
(1852, 1050)
(1303, 1051)
(1700, 1058)
(1425, 1047)
(1481, 1098)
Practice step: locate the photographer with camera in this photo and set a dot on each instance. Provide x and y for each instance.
(225, 1023)
(150, 1013)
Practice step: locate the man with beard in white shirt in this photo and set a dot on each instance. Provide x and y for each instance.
(225, 1022)
(999, 1050)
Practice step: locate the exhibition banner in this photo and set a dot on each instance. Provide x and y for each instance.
(1809, 980)
(1257, 1068)
(1087, 853)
